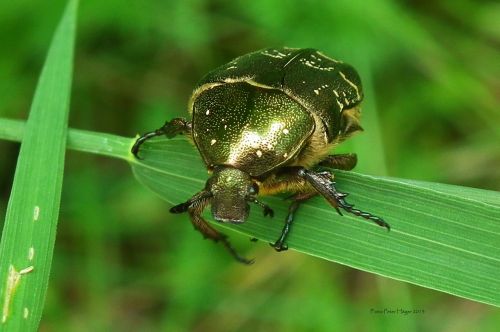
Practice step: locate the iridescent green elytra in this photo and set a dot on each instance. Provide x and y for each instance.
(263, 123)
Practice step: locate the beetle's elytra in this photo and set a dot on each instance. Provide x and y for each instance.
(263, 124)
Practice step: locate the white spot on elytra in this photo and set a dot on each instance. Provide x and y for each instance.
(212, 142)
(340, 105)
(36, 213)
(336, 93)
(285, 131)
(207, 112)
(273, 53)
(314, 63)
(327, 57)
(31, 253)
(355, 87)
(225, 126)
(259, 153)
(316, 91)
(285, 155)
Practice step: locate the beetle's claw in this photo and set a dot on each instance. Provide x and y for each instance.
(135, 149)
(232, 251)
(279, 246)
(136, 155)
(338, 211)
(244, 260)
(381, 222)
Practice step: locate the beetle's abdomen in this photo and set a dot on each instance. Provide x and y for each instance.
(251, 128)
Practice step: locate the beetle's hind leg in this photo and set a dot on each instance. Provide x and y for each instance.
(323, 183)
(306, 184)
(194, 207)
(170, 129)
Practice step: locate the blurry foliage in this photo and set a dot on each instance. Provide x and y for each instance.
(432, 79)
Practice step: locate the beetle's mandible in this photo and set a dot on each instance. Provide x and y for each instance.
(264, 124)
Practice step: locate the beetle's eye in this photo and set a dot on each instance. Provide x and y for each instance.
(254, 189)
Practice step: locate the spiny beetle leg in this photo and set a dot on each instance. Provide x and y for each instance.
(366, 215)
(323, 183)
(194, 206)
(232, 251)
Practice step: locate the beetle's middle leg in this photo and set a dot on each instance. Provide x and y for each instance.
(194, 206)
(307, 184)
(280, 244)
(287, 180)
(170, 129)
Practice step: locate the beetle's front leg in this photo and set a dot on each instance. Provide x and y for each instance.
(170, 129)
(323, 183)
(194, 207)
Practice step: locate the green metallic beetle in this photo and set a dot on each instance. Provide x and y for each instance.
(264, 123)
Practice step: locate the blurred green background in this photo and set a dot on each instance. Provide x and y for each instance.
(431, 72)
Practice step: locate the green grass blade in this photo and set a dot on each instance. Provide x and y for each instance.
(79, 140)
(443, 237)
(440, 238)
(30, 225)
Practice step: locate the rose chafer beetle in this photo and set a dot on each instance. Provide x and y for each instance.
(265, 123)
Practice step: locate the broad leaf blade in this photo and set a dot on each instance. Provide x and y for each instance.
(440, 239)
(30, 225)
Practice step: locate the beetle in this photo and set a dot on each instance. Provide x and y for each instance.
(265, 123)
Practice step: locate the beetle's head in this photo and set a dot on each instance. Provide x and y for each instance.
(231, 190)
